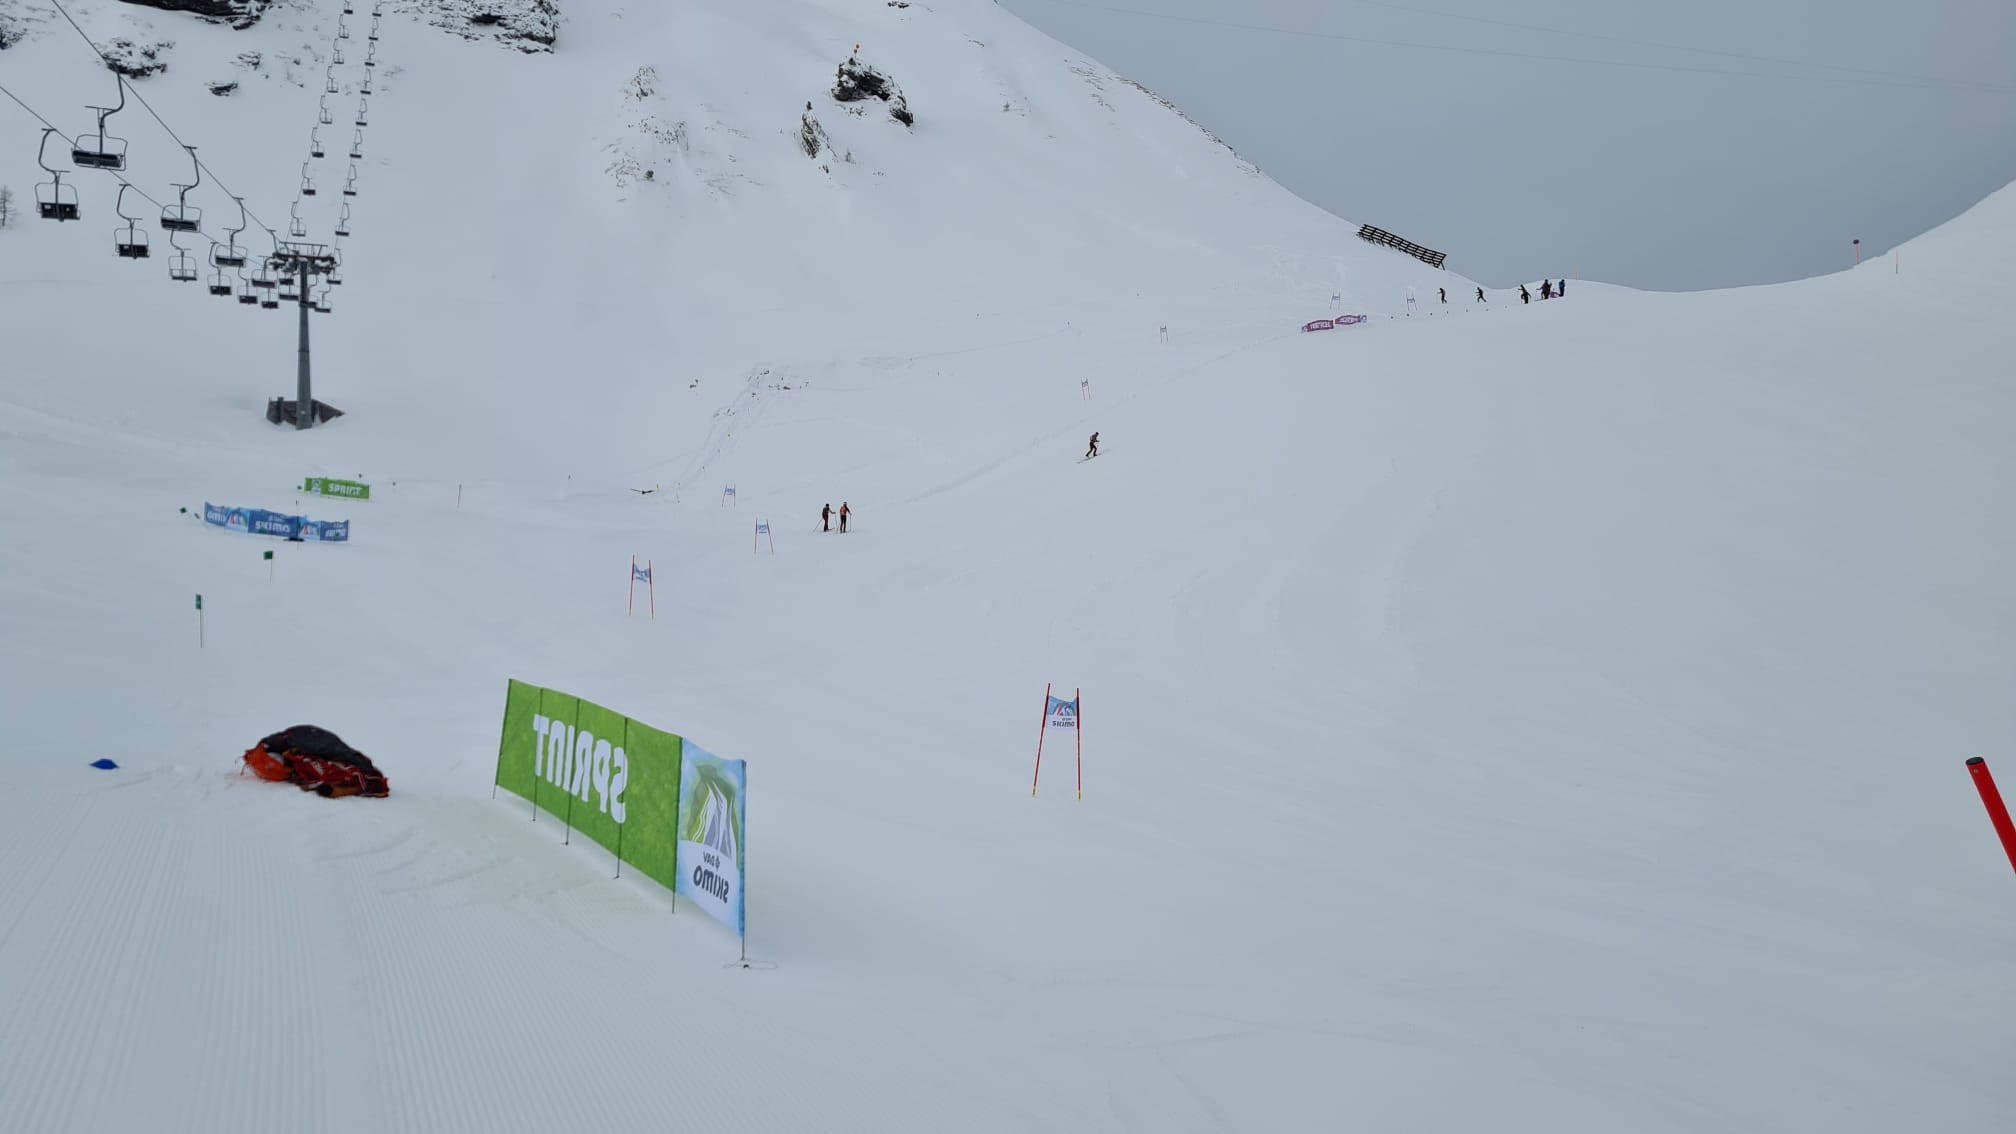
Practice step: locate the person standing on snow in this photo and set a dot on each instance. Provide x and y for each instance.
(1480, 296)
(1093, 450)
(1561, 288)
(844, 513)
(1444, 292)
(826, 518)
(1546, 289)
(1524, 295)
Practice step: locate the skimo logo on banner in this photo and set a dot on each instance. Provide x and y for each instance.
(577, 762)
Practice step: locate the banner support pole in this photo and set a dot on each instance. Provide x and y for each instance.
(499, 777)
(573, 754)
(631, 609)
(619, 826)
(546, 746)
(1033, 780)
(651, 588)
(1078, 698)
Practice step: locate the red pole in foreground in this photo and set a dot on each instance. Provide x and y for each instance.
(1992, 800)
(1039, 741)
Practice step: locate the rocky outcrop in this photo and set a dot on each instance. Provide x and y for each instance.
(239, 14)
(135, 60)
(857, 82)
(531, 26)
(812, 136)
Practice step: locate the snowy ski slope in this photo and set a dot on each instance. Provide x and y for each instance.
(1520, 718)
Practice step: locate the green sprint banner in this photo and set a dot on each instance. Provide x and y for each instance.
(712, 792)
(611, 778)
(329, 486)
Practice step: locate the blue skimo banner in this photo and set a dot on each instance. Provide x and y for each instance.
(258, 521)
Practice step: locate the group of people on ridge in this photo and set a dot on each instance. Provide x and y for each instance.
(1547, 291)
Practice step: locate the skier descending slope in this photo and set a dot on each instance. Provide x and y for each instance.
(1093, 450)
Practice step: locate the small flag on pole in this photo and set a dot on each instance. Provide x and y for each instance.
(637, 574)
(762, 530)
(1059, 713)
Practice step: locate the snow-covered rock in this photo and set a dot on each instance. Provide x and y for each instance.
(856, 81)
(237, 13)
(136, 60)
(530, 26)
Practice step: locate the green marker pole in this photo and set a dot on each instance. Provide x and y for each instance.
(269, 566)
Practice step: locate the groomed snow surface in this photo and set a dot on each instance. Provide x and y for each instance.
(1538, 718)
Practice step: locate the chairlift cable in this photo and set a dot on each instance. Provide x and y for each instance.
(142, 100)
(115, 174)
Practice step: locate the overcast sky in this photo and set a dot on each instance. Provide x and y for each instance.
(1660, 145)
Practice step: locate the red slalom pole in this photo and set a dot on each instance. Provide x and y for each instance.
(1992, 800)
(1039, 741)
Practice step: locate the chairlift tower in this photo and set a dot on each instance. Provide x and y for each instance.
(304, 262)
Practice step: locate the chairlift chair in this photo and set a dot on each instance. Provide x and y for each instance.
(53, 199)
(247, 297)
(229, 253)
(343, 222)
(325, 117)
(219, 285)
(342, 30)
(321, 305)
(337, 56)
(366, 88)
(371, 56)
(181, 269)
(269, 303)
(132, 240)
(307, 184)
(97, 151)
(329, 80)
(363, 104)
(290, 291)
(314, 142)
(373, 37)
(349, 9)
(182, 216)
(296, 227)
(357, 147)
(350, 186)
